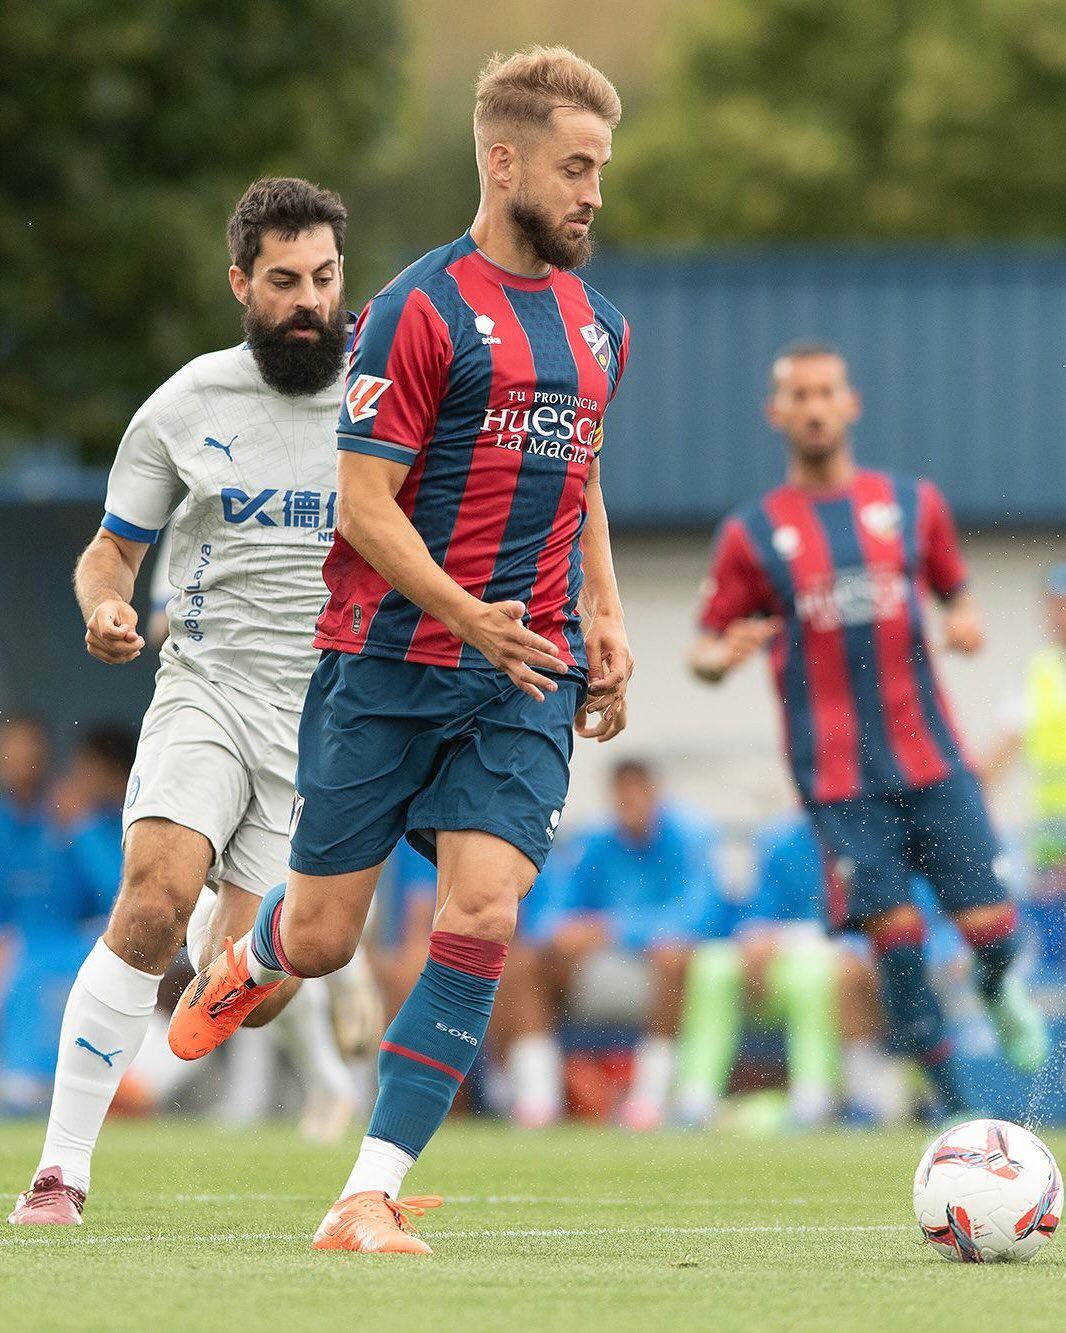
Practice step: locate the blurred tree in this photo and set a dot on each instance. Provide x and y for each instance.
(797, 119)
(128, 131)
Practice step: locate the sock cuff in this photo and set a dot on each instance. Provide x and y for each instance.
(992, 930)
(910, 935)
(111, 980)
(464, 953)
(275, 939)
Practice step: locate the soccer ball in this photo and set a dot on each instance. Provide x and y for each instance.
(987, 1191)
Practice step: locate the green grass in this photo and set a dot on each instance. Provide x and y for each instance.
(192, 1227)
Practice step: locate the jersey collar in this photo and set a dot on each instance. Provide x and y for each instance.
(504, 276)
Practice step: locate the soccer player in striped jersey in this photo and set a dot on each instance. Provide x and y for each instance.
(831, 572)
(473, 622)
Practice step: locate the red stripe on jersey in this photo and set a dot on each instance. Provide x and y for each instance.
(834, 721)
(915, 750)
(493, 475)
(944, 570)
(548, 598)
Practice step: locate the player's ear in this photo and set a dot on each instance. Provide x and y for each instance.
(771, 413)
(855, 407)
(500, 164)
(238, 281)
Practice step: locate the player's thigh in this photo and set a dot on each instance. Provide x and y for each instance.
(865, 843)
(370, 738)
(164, 868)
(322, 918)
(481, 879)
(505, 775)
(955, 845)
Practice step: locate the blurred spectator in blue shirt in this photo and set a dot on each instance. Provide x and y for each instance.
(630, 899)
(89, 801)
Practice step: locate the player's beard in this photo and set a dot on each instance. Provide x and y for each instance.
(297, 367)
(546, 238)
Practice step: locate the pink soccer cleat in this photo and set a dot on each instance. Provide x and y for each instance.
(49, 1202)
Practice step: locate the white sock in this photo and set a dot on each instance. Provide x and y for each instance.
(198, 927)
(536, 1069)
(260, 973)
(875, 1082)
(104, 1023)
(305, 1029)
(810, 1102)
(379, 1166)
(653, 1071)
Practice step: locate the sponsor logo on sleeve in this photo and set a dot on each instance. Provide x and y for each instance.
(362, 395)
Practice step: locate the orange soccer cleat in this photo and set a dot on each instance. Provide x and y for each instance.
(216, 1002)
(372, 1223)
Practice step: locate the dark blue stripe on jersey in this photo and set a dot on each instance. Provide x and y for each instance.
(576, 577)
(796, 687)
(540, 480)
(877, 763)
(907, 498)
(440, 491)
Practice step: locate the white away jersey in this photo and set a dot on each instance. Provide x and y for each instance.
(257, 471)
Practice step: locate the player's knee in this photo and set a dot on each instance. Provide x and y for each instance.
(483, 915)
(899, 927)
(148, 921)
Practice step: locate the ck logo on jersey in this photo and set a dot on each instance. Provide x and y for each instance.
(210, 443)
(363, 393)
(881, 519)
(599, 344)
(786, 542)
(484, 326)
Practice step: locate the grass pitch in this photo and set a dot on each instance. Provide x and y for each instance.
(190, 1226)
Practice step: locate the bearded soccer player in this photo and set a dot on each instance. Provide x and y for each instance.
(473, 623)
(831, 572)
(243, 440)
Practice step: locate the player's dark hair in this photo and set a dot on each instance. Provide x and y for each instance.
(285, 205)
(800, 350)
(115, 746)
(640, 769)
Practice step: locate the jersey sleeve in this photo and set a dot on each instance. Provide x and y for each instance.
(144, 487)
(397, 375)
(623, 358)
(736, 586)
(942, 562)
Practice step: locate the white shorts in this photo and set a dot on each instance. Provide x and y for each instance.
(222, 763)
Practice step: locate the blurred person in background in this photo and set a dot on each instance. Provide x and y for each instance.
(243, 441)
(1035, 732)
(831, 571)
(778, 969)
(643, 886)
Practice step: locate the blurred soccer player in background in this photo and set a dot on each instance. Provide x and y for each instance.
(473, 620)
(831, 572)
(245, 438)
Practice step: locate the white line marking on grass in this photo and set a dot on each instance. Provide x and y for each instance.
(517, 1233)
(494, 1200)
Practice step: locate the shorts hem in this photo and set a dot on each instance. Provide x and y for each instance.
(471, 824)
(306, 865)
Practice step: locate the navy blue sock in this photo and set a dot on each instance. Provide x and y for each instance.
(914, 1010)
(433, 1041)
(995, 944)
(266, 933)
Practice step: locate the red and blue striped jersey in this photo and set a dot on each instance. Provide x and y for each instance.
(491, 388)
(848, 572)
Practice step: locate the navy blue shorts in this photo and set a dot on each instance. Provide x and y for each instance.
(389, 748)
(874, 845)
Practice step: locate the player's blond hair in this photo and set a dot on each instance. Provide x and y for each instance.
(519, 92)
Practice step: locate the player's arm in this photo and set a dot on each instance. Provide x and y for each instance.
(606, 642)
(104, 579)
(945, 571)
(374, 525)
(733, 619)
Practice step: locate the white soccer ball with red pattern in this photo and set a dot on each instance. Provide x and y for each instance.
(987, 1191)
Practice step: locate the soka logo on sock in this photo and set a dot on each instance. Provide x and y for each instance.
(454, 1032)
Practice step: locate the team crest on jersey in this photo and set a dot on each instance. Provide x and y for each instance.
(599, 344)
(484, 326)
(881, 519)
(363, 393)
(786, 542)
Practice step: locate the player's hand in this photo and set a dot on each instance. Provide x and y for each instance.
(111, 633)
(962, 630)
(496, 630)
(744, 638)
(610, 668)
